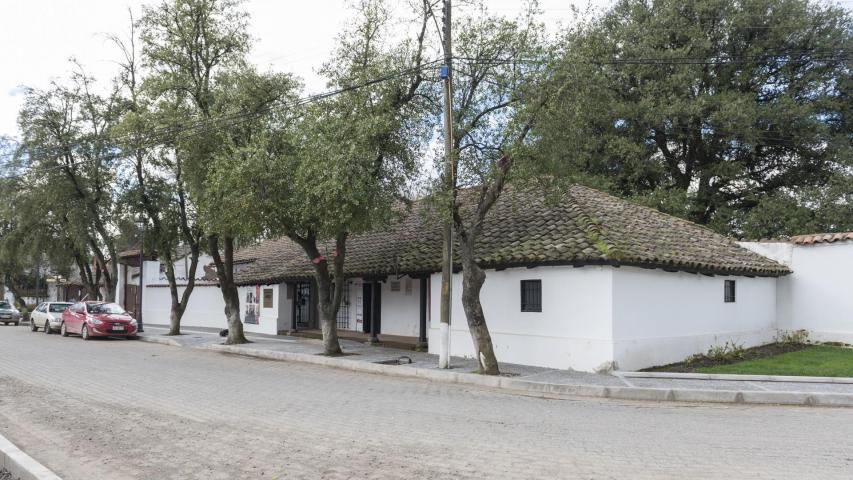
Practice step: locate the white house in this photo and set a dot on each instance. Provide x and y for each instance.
(589, 282)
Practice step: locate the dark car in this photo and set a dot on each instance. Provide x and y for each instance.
(9, 314)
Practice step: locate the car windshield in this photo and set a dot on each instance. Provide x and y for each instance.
(58, 307)
(5, 306)
(105, 308)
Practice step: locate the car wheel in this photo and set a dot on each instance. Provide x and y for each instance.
(33, 326)
(47, 327)
(17, 323)
(63, 330)
(84, 332)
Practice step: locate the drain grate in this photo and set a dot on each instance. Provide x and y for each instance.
(404, 360)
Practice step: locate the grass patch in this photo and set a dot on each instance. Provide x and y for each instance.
(727, 355)
(811, 361)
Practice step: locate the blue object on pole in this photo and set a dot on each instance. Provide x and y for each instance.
(443, 72)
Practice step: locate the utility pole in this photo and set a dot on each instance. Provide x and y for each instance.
(141, 224)
(450, 191)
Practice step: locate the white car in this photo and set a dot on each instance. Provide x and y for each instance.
(48, 316)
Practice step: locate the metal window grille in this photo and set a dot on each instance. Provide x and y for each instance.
(531, 295)
(303, 305)
(729, 289)
(343, 310)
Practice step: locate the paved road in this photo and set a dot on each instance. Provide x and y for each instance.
(119, 409)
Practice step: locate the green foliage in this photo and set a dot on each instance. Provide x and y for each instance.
(333, 166)
(734, 115)
(729, 351)
(813, 361)
(792, 337)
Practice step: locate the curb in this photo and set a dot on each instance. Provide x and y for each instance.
(540, 389)
(160, 340)
(21, 465)
(735, 377)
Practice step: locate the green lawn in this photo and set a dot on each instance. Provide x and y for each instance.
(814, 361)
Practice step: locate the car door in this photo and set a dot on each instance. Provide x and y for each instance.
(38, 317)
(72, 321)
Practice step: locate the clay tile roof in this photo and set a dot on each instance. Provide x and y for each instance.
(527, 228)
(821, 238)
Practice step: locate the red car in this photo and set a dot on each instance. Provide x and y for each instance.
(97, 319)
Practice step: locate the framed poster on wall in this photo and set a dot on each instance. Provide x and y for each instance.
(252, 312)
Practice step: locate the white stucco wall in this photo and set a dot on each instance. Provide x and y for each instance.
(572, 331)
(817, 296)
(820, 291)
(270, 318)
(663, 317)
(205, 308)
(401, 309)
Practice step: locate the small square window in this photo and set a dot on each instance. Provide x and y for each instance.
(729, 291)
(531, 295)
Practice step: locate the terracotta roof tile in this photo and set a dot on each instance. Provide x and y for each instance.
(821, 238)
(584, 226)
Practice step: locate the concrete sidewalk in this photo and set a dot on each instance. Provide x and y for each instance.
(525, 379)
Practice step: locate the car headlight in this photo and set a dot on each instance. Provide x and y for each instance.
(133, 321)
(93, 320)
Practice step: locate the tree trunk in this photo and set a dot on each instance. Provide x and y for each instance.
(232, 313)
(225, 273)
(473, 278)
(328, 316)
(329, 291)
(179, 303)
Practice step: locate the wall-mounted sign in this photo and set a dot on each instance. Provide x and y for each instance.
(252, 312)
(267, 298)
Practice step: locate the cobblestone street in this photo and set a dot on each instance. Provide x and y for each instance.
(114, 409)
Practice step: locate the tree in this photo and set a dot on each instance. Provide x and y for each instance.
(71, 161)
(158, 188)
(29, 237)
(336, 166)
(191, 45)
(720, 112)
(493, 114)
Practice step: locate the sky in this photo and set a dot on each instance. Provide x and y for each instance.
(38, 37)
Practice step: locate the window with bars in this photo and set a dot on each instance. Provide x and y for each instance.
(343, 310)
(531, 295)
(729, 291)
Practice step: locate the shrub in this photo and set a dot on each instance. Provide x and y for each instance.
(727, 351)
(792, 337)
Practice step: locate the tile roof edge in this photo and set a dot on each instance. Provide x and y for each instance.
(782, 271)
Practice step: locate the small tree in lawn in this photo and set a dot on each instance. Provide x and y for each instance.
(339, 166)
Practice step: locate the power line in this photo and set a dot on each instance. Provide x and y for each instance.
(157, 137)
(161, 135)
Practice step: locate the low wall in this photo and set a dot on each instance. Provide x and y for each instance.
(206, 308)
